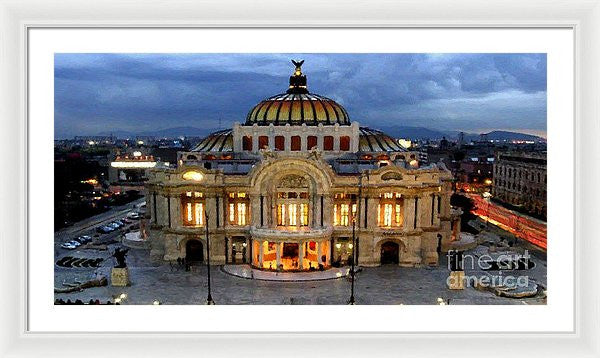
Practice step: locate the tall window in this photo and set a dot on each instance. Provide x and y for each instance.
(279, 142)
(344, 208)
(311, 142)
(390, 211)
(247, 142)
(296, 143)
(345, 143)
(292, 208)
(328, 142)
(263, 142)
(238, 207)
(193, 208)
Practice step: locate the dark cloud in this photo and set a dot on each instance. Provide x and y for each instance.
(99, 92)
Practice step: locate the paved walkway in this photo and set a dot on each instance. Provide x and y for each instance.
(245, 271)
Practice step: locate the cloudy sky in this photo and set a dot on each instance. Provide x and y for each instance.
(96, 93)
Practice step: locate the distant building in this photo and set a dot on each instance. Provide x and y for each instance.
(520, 180)
(128, 169)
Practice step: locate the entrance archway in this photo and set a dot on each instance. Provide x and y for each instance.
(194, 251)
(390, 253)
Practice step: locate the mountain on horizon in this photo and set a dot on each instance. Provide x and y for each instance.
(166, 132)
(407, 132)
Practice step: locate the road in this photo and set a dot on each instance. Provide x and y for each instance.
(520, 225)
(89, 225)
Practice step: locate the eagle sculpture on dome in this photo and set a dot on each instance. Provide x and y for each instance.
(298, 64)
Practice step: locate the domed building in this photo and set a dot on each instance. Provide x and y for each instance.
(283, 190)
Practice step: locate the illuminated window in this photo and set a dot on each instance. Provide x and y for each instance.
(344, 204)
(281, 214)
(390, 211)
(193, 208)
(387, 214)
(303, 214)
(241, 208)
(344, 214)
(292, 214)
(193, 175)
(292, 208)
(238, 208)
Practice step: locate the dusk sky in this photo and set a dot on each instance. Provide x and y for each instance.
(100, 93)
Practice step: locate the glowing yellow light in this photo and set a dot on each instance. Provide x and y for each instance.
(117, 300)
(137, 154)
(133, 164)
(338, 245)
(488, 181)
(298, 73)
(140, 142)
(156, 303)
(413, 163)
(123, 296)
(193, 175)
(350, 246)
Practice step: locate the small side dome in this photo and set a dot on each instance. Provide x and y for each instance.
(372, 140)
(221, 141)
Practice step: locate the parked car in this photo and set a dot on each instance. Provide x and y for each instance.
(68, 246)
(105, 229)
(84, 239)
(134, 215)
(114, 225)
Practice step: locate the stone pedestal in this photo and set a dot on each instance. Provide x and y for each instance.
(119, 277)
(456, 280)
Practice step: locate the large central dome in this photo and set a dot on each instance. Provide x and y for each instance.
(298, 106)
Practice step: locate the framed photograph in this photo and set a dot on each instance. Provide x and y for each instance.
(228, 177)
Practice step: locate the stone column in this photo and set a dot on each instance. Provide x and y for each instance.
(318, 247)
(174, 205)
(409, 212)
(327, 210)
(260, 253)
(301, 255)
(278, 249)
(372, 205)
(424, 211)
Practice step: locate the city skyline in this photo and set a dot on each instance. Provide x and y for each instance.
(99, 93)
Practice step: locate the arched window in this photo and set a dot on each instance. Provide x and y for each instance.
(344, 209)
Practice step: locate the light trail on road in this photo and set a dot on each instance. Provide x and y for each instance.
(520, 225)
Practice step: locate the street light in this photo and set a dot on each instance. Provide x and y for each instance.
(351, 301)
(209, 300)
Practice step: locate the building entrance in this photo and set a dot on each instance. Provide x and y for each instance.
(194, 252)
(390, 253)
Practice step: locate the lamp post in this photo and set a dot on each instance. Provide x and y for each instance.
(351, 301)
(209, 300)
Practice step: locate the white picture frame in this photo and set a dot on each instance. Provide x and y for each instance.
(18, 17)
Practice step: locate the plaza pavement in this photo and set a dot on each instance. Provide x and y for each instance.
(389, 284)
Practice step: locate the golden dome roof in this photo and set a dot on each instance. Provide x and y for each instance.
(297, 106)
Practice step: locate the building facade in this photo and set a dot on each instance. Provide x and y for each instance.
(520, 180)
(286, 189)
